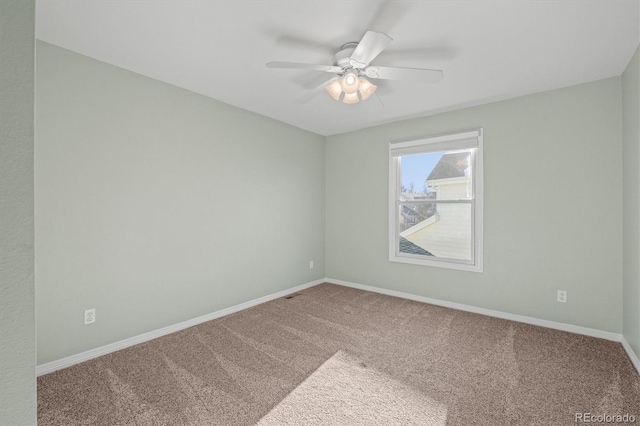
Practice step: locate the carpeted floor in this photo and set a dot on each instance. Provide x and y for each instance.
(338, 356)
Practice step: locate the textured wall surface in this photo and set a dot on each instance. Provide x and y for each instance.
(17, 324)
(631, 210)
(155, 205)
(552, 216)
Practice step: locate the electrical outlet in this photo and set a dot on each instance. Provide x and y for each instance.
(89, 316)
(311, 264)
(562, 296)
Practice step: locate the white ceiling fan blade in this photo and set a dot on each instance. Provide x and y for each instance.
(369, 47)
(419, 75)
(389, 14)
(299, 66)
(315, 91)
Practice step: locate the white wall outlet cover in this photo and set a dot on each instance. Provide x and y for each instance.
(311, 264)
(562, 296)
(89, 316)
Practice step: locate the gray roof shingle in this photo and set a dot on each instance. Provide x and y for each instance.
(450, 166)
(407, 246)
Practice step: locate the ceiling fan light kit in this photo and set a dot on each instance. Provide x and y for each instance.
(355, 89)
(351, 64)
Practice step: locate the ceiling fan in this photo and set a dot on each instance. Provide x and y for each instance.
(351, 64)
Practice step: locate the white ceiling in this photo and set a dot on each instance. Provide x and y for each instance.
(489, 50)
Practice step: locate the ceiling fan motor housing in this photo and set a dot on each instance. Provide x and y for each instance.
(341, 58)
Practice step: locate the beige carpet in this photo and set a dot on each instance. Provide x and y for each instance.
(339, 356)
(344, 391)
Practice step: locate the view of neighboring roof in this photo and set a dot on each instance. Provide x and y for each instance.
(407, 246)
(450, 166)
(409, 211)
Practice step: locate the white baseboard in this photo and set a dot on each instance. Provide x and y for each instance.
(122, 344)
(497, 314)
(116, 346)
(632, 355)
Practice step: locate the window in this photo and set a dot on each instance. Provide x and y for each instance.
(435, 194)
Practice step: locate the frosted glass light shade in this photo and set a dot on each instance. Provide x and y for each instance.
(366, 88)
(351, 98)
(334, 89)
(350, 82)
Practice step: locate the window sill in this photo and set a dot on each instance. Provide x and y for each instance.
(437, 263)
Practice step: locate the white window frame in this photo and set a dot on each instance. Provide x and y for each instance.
(459, 140)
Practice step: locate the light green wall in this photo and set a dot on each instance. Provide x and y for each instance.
(17, 322)
(155, 205)
(631, 208)
(553, 207)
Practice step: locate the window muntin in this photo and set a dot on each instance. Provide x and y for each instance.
(436, 201)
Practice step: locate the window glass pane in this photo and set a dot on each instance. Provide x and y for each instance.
(436, 175)
(436, 229)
